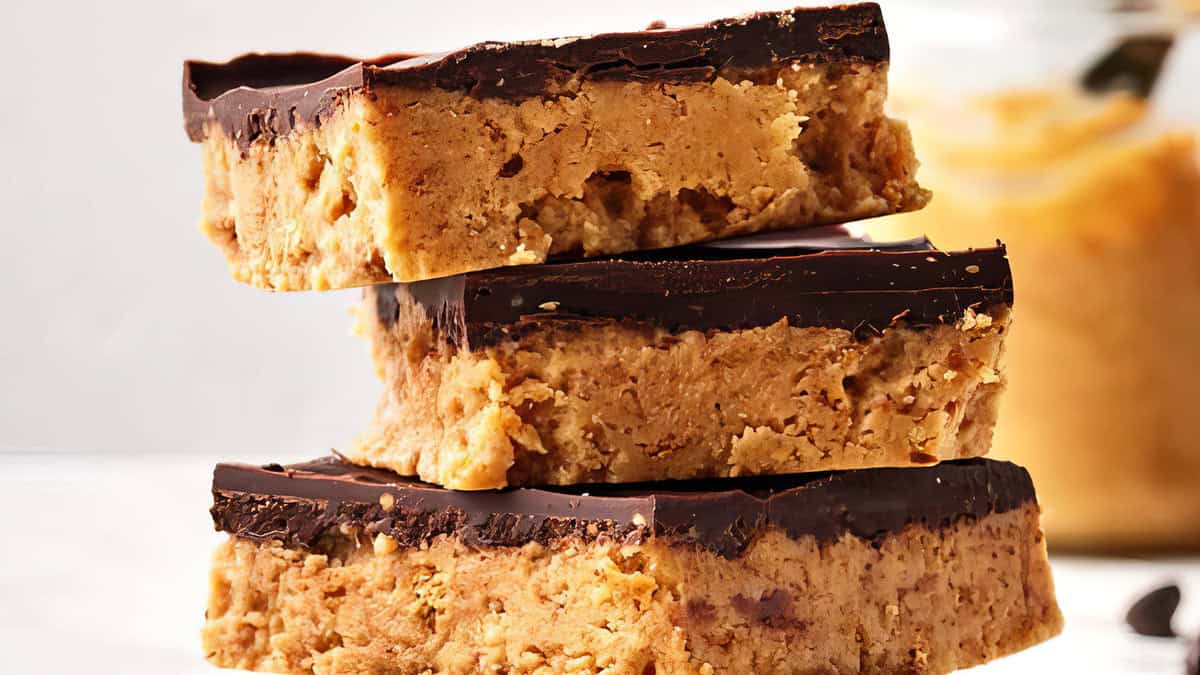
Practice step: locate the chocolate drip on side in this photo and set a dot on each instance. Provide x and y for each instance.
(712, 288)
(268, 95)
(302, 503)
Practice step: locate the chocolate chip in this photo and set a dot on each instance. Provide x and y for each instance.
(1193, 658)
(1151, 614)
(512, 167)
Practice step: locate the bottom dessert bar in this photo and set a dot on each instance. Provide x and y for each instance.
(333, 568)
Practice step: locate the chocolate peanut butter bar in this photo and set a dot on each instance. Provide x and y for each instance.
(756, 356)
(327, 172)
(334, 568)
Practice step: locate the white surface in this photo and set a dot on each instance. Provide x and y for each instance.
(105, 564)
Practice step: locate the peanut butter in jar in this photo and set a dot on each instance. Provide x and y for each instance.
(1097, 196)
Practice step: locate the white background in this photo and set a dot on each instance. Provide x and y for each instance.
(129, 359)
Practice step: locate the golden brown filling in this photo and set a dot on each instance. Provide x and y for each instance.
(417, 183)
(921, 600)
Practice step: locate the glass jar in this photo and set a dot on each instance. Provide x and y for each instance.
(1097, 196)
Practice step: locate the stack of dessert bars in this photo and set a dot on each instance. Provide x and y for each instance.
(645, 409)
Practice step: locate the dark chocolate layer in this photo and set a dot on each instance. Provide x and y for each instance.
(722, 286)
(302, 503)
(270, 94)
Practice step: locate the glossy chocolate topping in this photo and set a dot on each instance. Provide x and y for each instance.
(270, 94)
(848, 283)
(302, 503)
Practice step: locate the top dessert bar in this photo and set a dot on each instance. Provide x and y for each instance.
(329, 172)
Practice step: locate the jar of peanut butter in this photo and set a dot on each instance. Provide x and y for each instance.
(1086, 167)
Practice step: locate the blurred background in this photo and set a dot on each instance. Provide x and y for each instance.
(130, 362)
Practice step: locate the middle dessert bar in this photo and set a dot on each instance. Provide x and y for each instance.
(705, 362)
